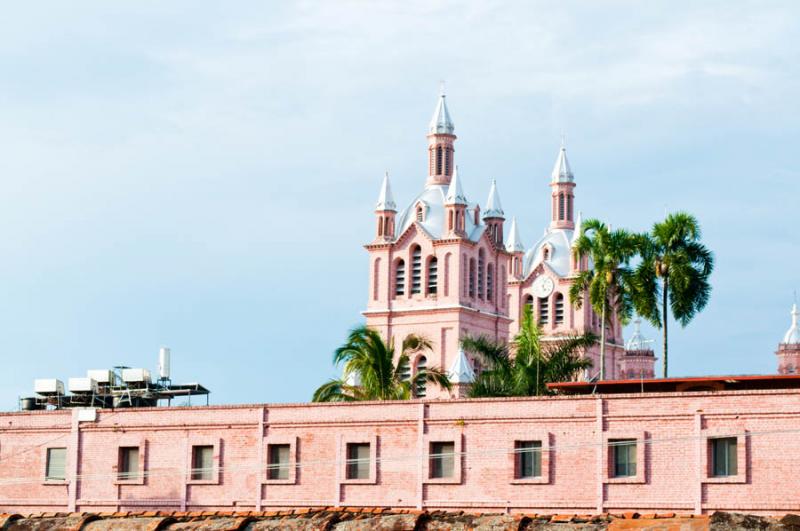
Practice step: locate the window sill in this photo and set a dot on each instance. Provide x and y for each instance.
(202, 482)
(626, 480)
(135, 481)
(538, 480)
(289, 481)
(739, 478)
(443, 481)
(55, 482)
(365, 481)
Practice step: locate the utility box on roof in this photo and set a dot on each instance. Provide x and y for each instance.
(82, 385)
(136, 375)
(48, 386)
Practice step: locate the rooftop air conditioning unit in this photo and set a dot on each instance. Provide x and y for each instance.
(82, 385)
(101, 376)
(136, 375)
(48, 386)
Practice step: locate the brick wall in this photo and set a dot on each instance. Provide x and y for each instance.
(671, 431)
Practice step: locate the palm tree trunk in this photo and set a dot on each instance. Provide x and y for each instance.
(665, 314)
(603, 342)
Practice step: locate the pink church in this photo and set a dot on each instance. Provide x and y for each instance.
(445, 268)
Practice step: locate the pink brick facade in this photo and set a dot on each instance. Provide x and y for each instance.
(671, 431)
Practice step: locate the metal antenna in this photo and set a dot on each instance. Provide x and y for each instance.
(441, 87)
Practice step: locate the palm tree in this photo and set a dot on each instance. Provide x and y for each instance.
(609, 283)
(673, 254)
(370, 372)
(526, 366)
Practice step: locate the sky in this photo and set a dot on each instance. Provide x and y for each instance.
(201, 175)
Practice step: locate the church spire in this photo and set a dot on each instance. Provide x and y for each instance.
(385, 212)
(440, 144)
(562, 183)
(455, 194)
(493, 207)
(385, 198)
(792, 336)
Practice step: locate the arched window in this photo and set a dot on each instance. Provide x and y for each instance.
(450, 220)
(559, 308)
(421, 389)
(376, 272)
(569, 207)
(399, 278)
(546, 253)
(447, 275)
(433, 274)
(490, 282)
(439, 160)
(481, 260)
(477, 216)
(420, 213)
(380, 226)
(416, 269)
(528, 303)
(544, 311)
(561, 206)
(472, 277)
(447, 159)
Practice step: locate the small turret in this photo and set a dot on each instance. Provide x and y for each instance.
(789, 349)
(562, 183)
(494, 216)
(461, 374)
(385, 212)
(515, 246)
(639, 360)
(440, 144)
(455, 207)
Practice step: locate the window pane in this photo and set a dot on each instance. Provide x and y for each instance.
(624, 456)
(358, 460)
(278, 461)
(202, 462)
(529, 459)
(724, 456)
(129, 462)
(56, 463)
(442, 463)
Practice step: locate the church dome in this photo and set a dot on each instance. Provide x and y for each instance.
(792, 336)
(427, 209)
(553, 249)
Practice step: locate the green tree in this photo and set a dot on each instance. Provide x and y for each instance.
(609, 282)
(525, 367)
(369, 363)
(676, 268)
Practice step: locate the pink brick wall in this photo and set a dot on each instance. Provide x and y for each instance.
(671, 430)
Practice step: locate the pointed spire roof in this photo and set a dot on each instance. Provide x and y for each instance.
(578, 227)
(637, 340)
(461, 371)
(514, 242)
(792, 336)
(441, 123)
(385, 198)
(493, 207)
(562, 173)
(455, 195)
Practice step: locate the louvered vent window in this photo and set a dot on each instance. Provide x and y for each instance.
(433, 276)
(439, 160)
(490, 282)
(529, 303)
(400, 278)
(421, 388)
(416, 270)
(559, 308)
(472, 277)
(480, 273)
(560, 206)
(544, 311)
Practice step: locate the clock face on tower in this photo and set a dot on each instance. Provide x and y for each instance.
(543, 286)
